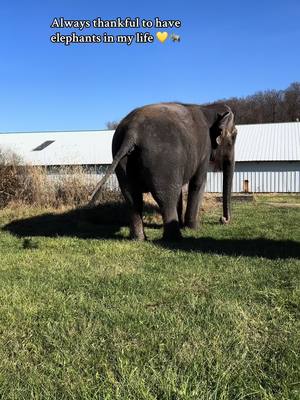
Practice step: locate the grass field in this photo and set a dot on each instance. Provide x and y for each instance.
(87, 314)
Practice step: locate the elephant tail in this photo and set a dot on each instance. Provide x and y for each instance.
(126, 148)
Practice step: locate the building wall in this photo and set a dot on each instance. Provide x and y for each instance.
(263, 177)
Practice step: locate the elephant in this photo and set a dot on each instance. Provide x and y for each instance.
(159, 148)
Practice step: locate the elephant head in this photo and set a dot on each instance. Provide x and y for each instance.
(223, 135)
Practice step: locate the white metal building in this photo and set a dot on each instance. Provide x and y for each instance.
(267, 155)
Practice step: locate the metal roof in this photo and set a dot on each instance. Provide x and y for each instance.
(67, 148)
(268, 142)
(260, 142)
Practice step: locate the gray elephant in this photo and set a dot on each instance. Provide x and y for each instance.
(161, 147)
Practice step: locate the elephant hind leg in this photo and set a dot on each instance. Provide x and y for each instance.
(168, 203)
(135, 200)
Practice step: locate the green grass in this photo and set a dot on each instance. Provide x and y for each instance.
(275, 198)
(213, 317)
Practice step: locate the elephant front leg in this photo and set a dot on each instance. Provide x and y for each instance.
(195, 197)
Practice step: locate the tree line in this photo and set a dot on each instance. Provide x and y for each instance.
(261, 107)
(267, 106)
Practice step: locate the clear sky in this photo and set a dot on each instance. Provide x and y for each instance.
(227, 48)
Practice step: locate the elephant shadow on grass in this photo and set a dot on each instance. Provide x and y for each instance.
(101, 222)
(106, 220)
(252, 247)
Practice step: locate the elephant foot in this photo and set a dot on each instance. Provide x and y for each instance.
(138, 238)
(191, 225)
(137, 233)
(224, 221)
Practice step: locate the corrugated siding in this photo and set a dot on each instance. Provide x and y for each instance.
(281, 177)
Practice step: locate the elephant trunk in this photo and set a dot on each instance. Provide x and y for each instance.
(228, 169)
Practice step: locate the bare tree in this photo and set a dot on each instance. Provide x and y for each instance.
(112, 125)
(292, 101)
(267, 106)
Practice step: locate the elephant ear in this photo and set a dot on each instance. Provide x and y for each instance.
(221, 128)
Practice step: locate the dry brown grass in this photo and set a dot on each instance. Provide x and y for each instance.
(16, 179)
(31, 185)
(70, 187)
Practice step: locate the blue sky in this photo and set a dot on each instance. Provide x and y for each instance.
(227, 48)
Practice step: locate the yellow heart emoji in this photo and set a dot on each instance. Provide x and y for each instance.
(162, 36)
